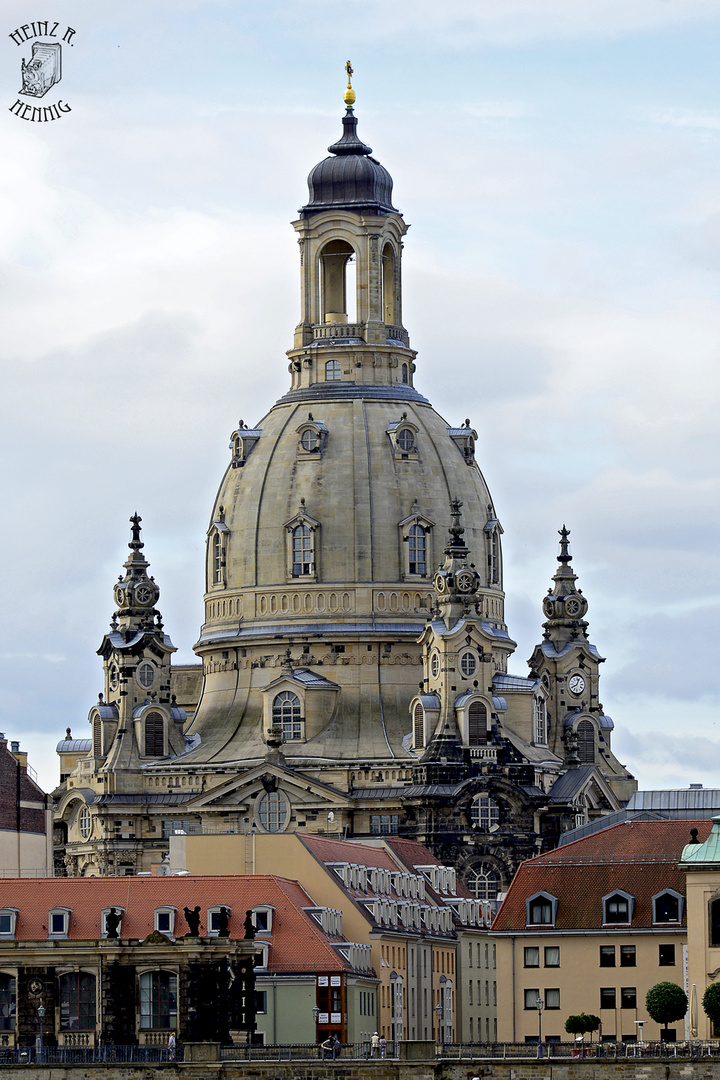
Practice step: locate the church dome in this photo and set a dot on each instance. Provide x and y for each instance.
(351, 178)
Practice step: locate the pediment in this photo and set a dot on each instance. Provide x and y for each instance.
(269, 776)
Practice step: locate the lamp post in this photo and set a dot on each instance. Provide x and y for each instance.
(316, 1014)
(539, 1007)
(439, 1014)
(41, 1017)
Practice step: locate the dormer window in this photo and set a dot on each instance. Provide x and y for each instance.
(302, 546)
(218, 535)
(668, 907)
(403, 439)
(58, 922)
(312, 437)
(287, 715)
(111, 920)
(242, 444)
(217, 920)
(618, 908)
(165, 920)
(8, 918)
(262, 917)
(541, 909)
(415, 536)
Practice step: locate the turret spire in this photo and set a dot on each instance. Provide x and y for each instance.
(349, 95)
(136, 593)
(564, 606)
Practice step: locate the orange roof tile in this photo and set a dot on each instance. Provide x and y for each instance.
(297, 943)
(637, 857)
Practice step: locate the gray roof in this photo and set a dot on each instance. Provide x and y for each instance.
(514, 682)
(694, 799)
(311, 678)
(606, 822)
(568, 785)
(379, 793)
(381, 629)
(331, 391)
(74, 746)
(549, 649)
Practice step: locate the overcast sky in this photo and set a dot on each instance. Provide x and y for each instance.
(559, 163)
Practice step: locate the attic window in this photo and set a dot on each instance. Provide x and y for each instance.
(58, 922)
(8, 917)
(667, 907)
(165, 920)
(541, 909)
(618, 908)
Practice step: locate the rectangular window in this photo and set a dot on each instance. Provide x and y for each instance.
(666, 957)
(628, 997)
(607, 997)
(532, 956)
(627, 956)
(552, 999)
(607, 956)
(384, 824)
(470, 993)
(6, 925)
(552, 956)
(531, 998)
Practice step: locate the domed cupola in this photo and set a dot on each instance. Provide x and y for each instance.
(351, 178)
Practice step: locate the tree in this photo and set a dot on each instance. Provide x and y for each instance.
(579, 1023)
(666, 1002)
(711, 1003)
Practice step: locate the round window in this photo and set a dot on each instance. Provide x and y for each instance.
(85, 823)
(146, 674)
(434, 665)
(309, 440)
(406, 439)
(467, 664)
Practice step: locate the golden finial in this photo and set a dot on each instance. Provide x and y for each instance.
(349, 95)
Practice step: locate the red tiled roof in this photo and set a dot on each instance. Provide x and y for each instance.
(413, 854)
(297, 943)
(328, 850)
(637, 857)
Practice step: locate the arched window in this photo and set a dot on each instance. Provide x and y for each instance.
(336, 285)
(540, 721)
(477, 724)
(7, 1002)
(404, 373)
(417, 550)
(217, 559)
(332, 371)
(484, 882)
(154, 735)
(468, 664)
(272, 812)
(388, 285)
(97, 737)
(77, 1001)
(302, 546)
(158, 1000)
(715, 923)
(286, 715)
(586, 742)
(418, 727)
(484, 813)
(85, 822)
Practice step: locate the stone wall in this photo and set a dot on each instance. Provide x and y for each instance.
(589, 1069)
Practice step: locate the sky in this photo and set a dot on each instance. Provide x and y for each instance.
(559, 164)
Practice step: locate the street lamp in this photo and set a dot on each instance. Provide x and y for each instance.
(439, 1014)
(316, 1016)
(41, 1017)
(539, 1007)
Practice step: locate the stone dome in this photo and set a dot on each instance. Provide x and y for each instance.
(351, 178)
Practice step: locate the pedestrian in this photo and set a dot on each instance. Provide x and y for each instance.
(336, 1046)
(383, 1046)
(375, 1044)
(171, 1046)
(328, 1048)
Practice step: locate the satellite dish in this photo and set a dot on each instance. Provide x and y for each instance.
(331, 817)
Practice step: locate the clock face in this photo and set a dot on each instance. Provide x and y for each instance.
(144, 594)
(576, 684)
(465, 580)
(572, 606)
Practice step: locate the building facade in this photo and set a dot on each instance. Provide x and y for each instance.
(355, 655)
(592, 926)
(26, 816)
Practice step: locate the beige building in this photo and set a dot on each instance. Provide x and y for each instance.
(591, 927)
(355, 655)
(701, 864)
(425, 930)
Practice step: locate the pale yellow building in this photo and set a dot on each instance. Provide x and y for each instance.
(701, 864)
(591, 928)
